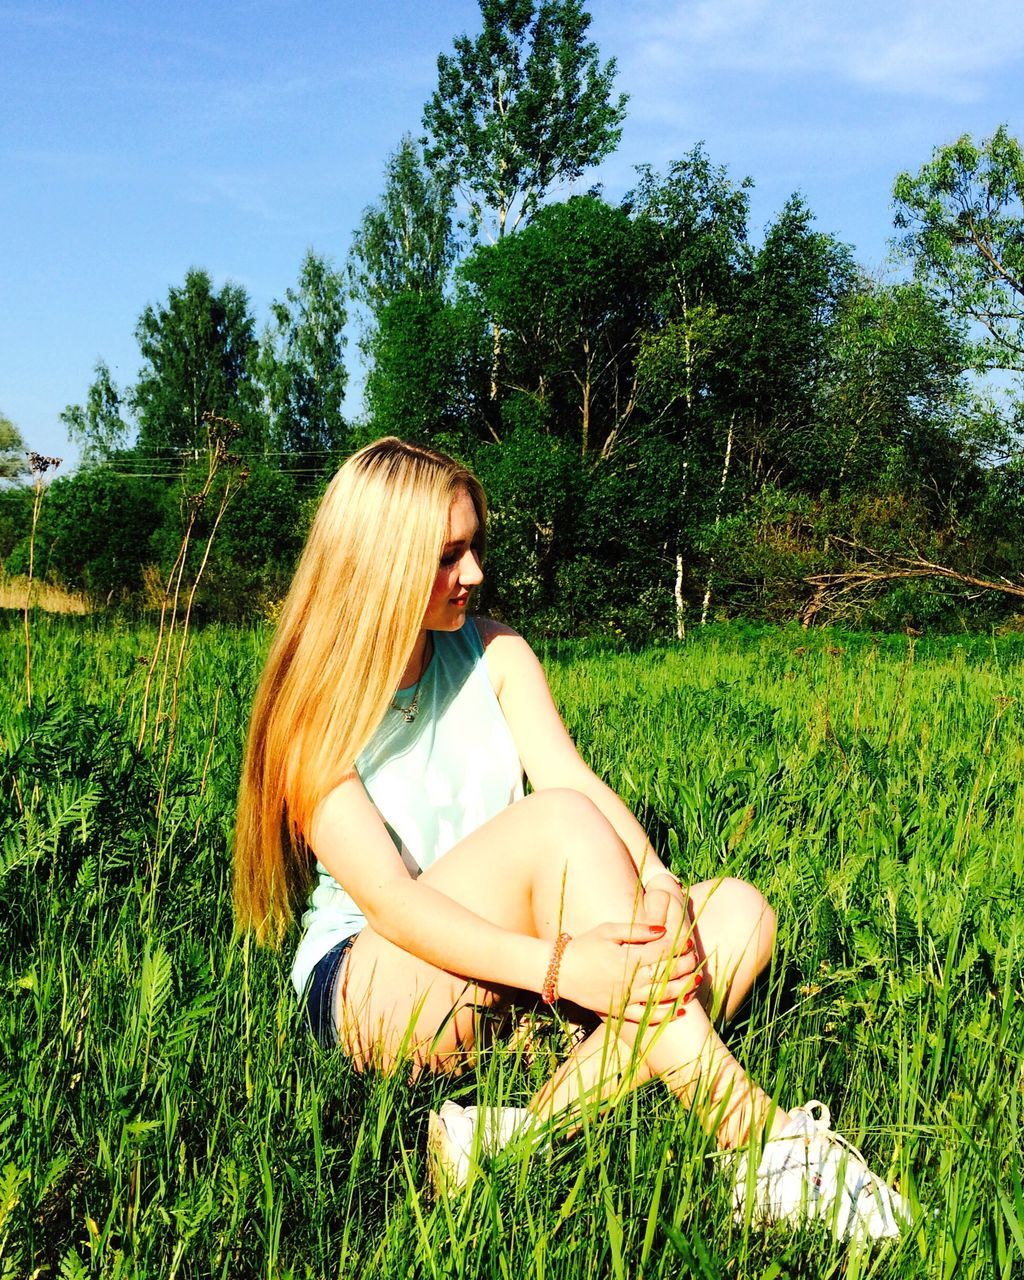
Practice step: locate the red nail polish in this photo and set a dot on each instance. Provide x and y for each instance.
(689, 946)
(698, 979)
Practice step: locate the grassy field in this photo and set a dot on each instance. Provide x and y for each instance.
(162, 1112)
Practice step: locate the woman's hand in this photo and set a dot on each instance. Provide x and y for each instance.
(625, 971)
(665, 903)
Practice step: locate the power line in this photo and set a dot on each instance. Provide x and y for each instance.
(177, 475)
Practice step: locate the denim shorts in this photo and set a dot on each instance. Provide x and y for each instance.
(319, 1001)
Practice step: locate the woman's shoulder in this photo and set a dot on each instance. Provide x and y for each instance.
(489, 630)
(505, 650)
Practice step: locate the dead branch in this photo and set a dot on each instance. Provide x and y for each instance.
(882, 567)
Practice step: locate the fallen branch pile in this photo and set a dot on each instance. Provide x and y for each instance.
(881, 567)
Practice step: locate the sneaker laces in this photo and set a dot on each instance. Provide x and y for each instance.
(822, 1128)
(885, 1200)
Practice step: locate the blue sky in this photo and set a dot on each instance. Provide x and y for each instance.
(139, 140)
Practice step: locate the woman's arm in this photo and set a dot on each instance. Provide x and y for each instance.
(548, 754)
(351, 841)
(550, 759)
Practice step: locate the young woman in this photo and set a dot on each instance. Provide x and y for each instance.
(383, 785)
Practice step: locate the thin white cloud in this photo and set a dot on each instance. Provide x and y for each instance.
(244, 192)
(934, 48)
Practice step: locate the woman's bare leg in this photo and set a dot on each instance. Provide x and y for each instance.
(553, 862)
(734, 930)
(549, 862)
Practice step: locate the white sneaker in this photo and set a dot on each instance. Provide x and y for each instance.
(458, 1136)
(808, 1172)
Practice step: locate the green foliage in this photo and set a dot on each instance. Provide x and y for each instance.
(96, 531)
(798, 280)
(198, 354)
(556, 563)
(699, 219)
(13, 461)
(97, 426)
(962, 216)
(165, 1112)
(302, 368)
(428, 380)
(255, 548)
(15, 518)
(405, 243)
(522, 107)
(897, 392)
(568, 296)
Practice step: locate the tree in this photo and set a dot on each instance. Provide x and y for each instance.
(429, 374)
(700, 257)
(799, 277)
(895, 391)
(962, 216)
(99, 526)
(198, 356)
(97, 426)
(302, 367)
(523, 106)
(569, 294)
(405, 243)
(699, 218)
(13, 458)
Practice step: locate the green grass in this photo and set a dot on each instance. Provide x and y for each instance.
(162, 1112)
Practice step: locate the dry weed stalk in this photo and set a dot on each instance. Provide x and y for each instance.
(38, 465)
(225, 475)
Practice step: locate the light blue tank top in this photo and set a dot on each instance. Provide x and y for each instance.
(433, 780)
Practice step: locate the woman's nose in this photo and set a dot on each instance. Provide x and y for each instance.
(470, 572)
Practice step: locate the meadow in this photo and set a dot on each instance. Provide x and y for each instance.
(164, 1114)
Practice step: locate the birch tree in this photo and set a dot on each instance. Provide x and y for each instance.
(406, 242)
(302, 365)
(523, 106)
(98, 426)
(962, 219)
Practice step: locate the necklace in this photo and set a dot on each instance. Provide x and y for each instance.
(410, 711)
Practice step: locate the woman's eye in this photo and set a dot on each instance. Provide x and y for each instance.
(448, 560)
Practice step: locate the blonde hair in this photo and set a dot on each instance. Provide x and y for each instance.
(346, 632)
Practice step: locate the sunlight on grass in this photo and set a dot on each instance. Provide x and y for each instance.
(14, 593)
(162, 1111)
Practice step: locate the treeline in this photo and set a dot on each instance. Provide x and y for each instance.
(672, 419)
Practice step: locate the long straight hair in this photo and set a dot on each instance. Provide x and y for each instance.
(347, 629)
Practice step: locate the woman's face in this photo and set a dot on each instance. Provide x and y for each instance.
(459, 569)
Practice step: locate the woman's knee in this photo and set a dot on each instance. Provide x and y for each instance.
(741, 910)
(574, 824)
(754, 908)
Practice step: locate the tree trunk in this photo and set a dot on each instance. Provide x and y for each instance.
(677, 593)
(585, 403)
(706, 604)
(678, 597)
(495, 358)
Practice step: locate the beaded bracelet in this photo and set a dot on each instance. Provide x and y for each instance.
(549, 990)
